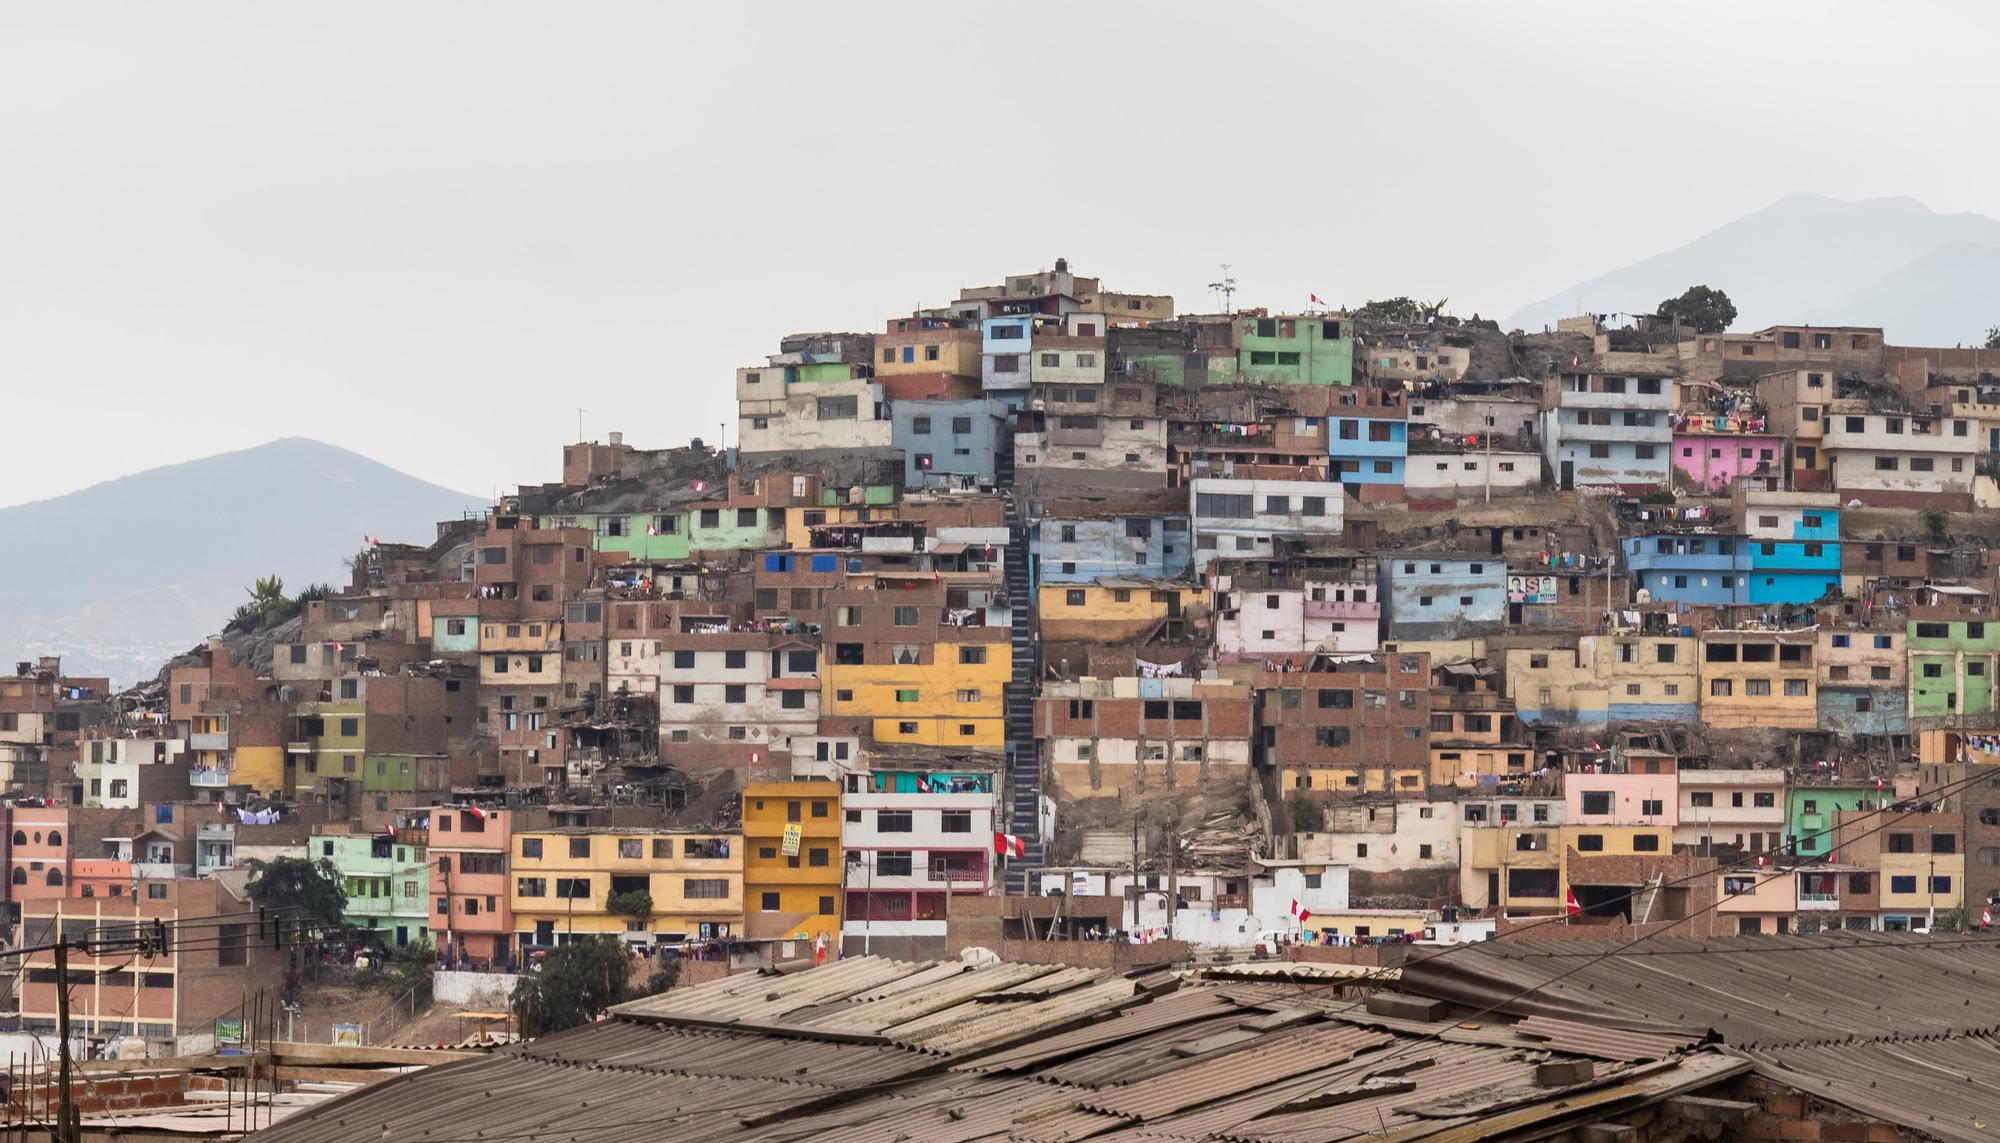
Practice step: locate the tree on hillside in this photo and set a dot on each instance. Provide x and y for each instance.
(1707, 310)
(1993, 337)
(577, 982)
(309, 892)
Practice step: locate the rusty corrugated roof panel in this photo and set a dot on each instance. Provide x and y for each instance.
(1269, 1058)
(1944, 1088)
(1578, 1038)
(1176, 1009)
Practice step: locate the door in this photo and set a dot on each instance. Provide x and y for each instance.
(1493, 889)
(1569, 476)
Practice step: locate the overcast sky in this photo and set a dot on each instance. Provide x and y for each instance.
(429, 232)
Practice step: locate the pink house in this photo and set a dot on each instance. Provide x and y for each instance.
(1622, 799)
(1715, 459)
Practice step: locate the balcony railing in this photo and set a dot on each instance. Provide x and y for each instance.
(1818, 901)
(212, 777)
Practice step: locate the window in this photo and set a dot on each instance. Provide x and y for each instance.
(1646, 843)
(579, 847)
(1597, 802)
(1701, 798)
(1590, 842)
(894, 821)
(1651, 807)
(705, 888)
(531, 887)
(892, 863)
(531, 847)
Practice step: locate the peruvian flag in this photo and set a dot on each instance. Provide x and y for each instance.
(1300, 913)
(477, 812)
(1570, 907)
(1762, 861)
(371, 541)
(390, 829)
(1007, 845)
(1315, 298)
(701, 486)
(1986, 918)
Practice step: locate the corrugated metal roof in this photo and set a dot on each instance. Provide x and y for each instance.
(1578, 1038)
(1947, 1088)
(996, 1052)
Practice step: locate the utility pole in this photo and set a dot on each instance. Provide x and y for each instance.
(68, 1128)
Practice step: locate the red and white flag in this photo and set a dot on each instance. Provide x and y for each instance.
(1570, 907)
(1315, 298)
(652, 529)
(1762, 861)
(339, 647)
(477, 812)
(371, 541)
(1007, 845)
(1986, 917)
(701, 486)
(819, 949)
(1300, 913)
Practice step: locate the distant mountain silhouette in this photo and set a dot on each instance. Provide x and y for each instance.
(1926, 278)
(119, 576)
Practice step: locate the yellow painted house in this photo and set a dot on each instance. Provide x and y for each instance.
(1625, 676)
(1759, 678)
(1110, 610)
(220, 760)
(1525, 869)
(957, 698)
(646, 886)
(792, 865)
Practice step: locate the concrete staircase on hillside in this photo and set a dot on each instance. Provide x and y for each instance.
(1024, 766)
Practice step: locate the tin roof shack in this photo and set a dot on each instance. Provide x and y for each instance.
(1133, 736)
(1346, 724)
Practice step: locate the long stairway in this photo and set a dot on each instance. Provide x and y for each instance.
(1024, 756)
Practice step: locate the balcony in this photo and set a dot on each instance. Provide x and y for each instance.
(1818, 902)
(209, 741)
(209, 777)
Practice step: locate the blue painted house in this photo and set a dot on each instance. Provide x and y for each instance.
(1375, 454)
(1787, 553)
(949, 444)
(1083, 549)
(1441, 596)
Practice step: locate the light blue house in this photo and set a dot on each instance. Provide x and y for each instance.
(1441, 596)
(1368, 449)
(949, 444)
(1084, 549)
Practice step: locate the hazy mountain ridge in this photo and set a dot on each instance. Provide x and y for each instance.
(1926, 278)
(123, 574)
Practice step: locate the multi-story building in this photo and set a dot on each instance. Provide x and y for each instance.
(728, 695)
(1954, 647)
(387, 879)
(1077, 438)
(1079, 541)
(216, 954)
(930, 355)
(1758, 678)
(1440, 595)
(793, 862)
(1796, 402)
(236, 724)
(1601, 430)
(1112, 610)
(1863, 678)
(1620, 677)
(1368, 439)
(1347, 724)
(122, 772)
(1107, 737)
(950, 443)
(1744, 809)
(1474, 739)
(903, 662)
(1309, 602)
(1295, 349)
(911, 840)
(1900, 459)
(1246, 518)
(473, 904)
(644, 885)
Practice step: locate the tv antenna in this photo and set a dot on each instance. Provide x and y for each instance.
(1226, 287)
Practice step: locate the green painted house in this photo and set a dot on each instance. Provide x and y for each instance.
(1809, 812)
(1952, 661)
(387, 882)
(1302, 349)
(670, 536)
